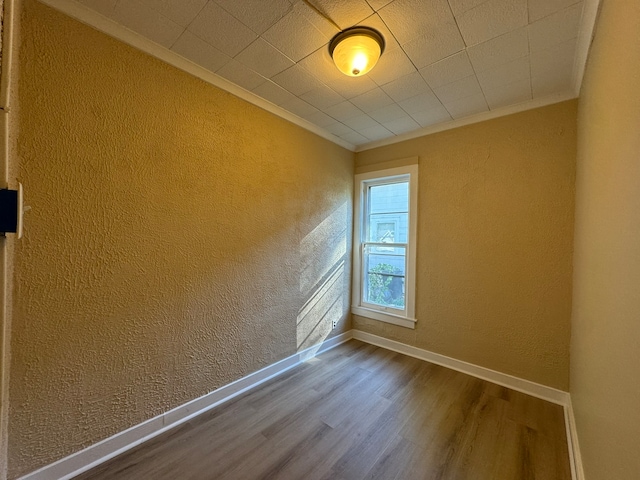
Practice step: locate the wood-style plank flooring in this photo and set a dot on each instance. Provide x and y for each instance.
(361, 412)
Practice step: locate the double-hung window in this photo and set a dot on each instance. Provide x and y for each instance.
(385, 245)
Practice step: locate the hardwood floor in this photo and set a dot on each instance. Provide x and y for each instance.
(361, 412)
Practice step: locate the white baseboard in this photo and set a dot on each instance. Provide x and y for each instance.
(104, 450)
(79, 462)
(577, 472)
(525, 386)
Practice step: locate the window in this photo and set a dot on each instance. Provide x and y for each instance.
(385, 244)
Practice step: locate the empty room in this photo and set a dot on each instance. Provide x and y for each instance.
(320, 239)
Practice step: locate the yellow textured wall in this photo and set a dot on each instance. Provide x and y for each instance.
(495, 240)
(605, 335)
(179, 238)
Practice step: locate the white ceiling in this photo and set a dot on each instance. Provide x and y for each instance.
(444, 59)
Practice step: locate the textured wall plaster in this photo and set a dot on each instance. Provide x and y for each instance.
(495, 241)
(178, 235)
(605, 328)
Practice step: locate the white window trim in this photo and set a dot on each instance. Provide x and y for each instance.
(361, 180)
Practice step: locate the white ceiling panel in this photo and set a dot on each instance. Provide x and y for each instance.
(298, 107)
(339, 129)
(264, 59)
(402, 125)
(181, 12)
(378, 4)
(345, 14)
(555, 29)
(515, 70)
(444, 59)
(360, 122)
(542, 8)
(372, 100)
(420, 103)
(461, 6)
(258, 15)
(375, 22)
(392, 64)
(143, 19)
(467, 106)
(388, 113)
(465, 87)
(438, 43)
(409, 19)
(343, 110)
(273, 93)
(499, 50)
(242, 76)
(320, 65)
(200, 52)
(450, 69)
(377, 132)
(432, 116)
(219, 28)
(352, 87)
(319, 118)
(354, 138)
(295, 36)
(323, 24)
(515, 92)
(297, 80)
(550, 82)
(492, 19)
(558, 57)
(406, 87)
(322, 97)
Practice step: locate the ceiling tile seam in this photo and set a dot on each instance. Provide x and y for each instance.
(455, 20)
(234, 16)
(399, 46)
(374, 8)
(561, 9)
(475, 74)
(325, 15)
(188, 25)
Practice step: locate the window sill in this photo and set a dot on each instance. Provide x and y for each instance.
(384, 317)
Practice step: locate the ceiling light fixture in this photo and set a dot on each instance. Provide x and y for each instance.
(356, 50)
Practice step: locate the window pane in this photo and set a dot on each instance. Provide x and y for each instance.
(388, 228)
(392, 197)
(388, 218)
(384, 275)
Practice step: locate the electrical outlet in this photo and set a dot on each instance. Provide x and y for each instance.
(334, 325)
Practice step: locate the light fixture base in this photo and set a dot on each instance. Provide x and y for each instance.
(356, 50)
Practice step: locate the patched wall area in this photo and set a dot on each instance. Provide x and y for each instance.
(179, 238)
(495, 243)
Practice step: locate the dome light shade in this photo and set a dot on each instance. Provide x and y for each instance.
(355, 51)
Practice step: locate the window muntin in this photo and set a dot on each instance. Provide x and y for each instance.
(384, 245)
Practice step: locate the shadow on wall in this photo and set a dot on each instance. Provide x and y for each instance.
(324, 279)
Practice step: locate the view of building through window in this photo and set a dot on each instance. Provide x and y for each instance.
(385, 248)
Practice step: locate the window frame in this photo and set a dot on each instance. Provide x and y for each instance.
(406, 317)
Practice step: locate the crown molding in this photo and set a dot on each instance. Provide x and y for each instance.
(461, 122)
(590, 12)
(90, 17)
(93, 19)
